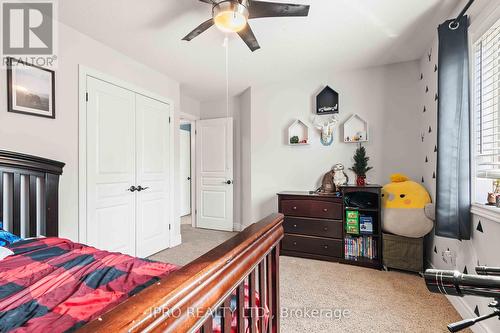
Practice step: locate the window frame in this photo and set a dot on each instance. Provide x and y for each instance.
(481, 23)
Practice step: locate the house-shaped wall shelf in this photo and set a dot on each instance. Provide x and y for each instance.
(327, 101)
(298, 133)
(355, 129)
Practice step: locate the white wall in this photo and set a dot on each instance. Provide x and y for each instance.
(219, 109)
(58, 139)
(189, 105)
(246, 157)
(386, 97)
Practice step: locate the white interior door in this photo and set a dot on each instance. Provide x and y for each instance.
(214, 174)
(153, 171)
(185, 171)
(110, 167)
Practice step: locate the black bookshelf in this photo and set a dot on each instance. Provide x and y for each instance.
(367, 201)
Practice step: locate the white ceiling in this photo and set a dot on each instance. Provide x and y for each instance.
(337, 35)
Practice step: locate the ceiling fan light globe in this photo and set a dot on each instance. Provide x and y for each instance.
(230, 16)
(230, 22)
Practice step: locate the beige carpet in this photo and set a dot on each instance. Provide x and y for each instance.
(186, 219)
(195, 242)
(371, 300)
(376, 301)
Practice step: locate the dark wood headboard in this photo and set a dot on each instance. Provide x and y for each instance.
(29, 194)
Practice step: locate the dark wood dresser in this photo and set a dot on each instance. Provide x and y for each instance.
(313, 225)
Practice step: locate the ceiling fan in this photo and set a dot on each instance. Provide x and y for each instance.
(233, 16)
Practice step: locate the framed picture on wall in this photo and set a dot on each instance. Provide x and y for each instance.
(30, 89)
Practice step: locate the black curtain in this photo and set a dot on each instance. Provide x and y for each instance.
(453, 218)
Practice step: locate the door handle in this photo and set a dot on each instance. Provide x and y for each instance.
(189, 178)
(132, 189)
(140, 188)
(229, 182)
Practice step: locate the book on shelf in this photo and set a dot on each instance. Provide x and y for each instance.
(352, 222)
(360, 247)
(366, 225)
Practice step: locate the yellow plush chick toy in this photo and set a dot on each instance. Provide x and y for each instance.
(403, 207)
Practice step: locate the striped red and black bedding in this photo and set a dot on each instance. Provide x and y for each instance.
(55, 285)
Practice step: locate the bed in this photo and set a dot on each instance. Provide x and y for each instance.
(232, 288)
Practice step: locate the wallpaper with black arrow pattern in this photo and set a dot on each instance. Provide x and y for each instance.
(484, 247)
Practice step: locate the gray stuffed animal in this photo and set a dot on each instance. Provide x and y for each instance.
(340, 178)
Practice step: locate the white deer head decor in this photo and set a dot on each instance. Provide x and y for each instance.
(327, 128)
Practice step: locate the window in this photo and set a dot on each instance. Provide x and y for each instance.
(486, 99)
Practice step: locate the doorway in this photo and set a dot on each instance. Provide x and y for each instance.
(209, 180)
(185, 170)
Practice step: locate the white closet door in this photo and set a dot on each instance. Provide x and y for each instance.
(110, 167)
(153, 172)
(214, 174)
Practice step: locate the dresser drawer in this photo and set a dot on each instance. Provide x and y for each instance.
(313, 245)
(313, 227)
(312, 208)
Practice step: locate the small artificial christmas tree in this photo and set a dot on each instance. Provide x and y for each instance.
(360, 167)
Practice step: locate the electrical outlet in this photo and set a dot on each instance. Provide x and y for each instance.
(450, 258)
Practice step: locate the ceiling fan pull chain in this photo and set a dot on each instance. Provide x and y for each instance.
(226, 45)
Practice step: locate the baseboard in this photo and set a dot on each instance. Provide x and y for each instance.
(176, 240)
(464, 310)
(238, 227)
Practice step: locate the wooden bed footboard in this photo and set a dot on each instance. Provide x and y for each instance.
(186, 300)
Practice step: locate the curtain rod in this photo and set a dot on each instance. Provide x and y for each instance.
(462, 13)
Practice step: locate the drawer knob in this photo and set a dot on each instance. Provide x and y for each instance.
(326, 247)
(325, 228)
(294, 243)
(325, 209)
(295, 226)
(294, 208)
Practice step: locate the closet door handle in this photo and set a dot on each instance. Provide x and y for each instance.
(140, 188)
(133, 189)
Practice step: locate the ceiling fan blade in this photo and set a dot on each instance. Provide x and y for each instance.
(199, 30)
(272, 9)
(212, 2)
(249, 38)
